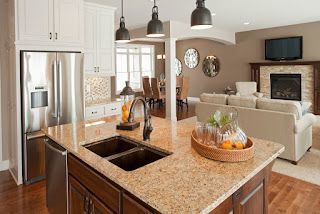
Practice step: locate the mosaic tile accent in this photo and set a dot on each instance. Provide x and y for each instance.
(97, 90)
(307, 78)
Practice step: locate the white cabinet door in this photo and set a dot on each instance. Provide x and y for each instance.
(90, 42)
(35, 20)
(68, 18)
(105, 41)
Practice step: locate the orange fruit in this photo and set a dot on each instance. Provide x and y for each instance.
(124, 108)
(226, 145)
(239, 145)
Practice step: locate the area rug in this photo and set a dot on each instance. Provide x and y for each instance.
(308, 168)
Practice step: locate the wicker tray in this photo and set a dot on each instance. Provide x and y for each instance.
(223, 154)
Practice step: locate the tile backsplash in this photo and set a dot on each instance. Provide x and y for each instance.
(97, 89)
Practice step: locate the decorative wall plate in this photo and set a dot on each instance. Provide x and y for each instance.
(191, 58)
(178, 67)
(211, 66)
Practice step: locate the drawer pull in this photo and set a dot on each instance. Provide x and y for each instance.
(113, 109)
(94, 112)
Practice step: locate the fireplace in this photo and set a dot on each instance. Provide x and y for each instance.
(286, 86)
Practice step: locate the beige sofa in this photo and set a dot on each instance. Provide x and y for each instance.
(275, 120)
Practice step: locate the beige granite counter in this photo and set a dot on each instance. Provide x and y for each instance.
(183, 182)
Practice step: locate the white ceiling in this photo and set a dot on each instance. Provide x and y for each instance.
(230, 14)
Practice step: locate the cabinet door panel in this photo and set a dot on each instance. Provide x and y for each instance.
(254, 202)
(78, 197)
(68, 18)
(97, 207)
(105, 42)
(131, 206)
(90, 41)
(35, 24)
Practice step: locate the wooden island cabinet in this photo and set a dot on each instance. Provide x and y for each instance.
(91, 192)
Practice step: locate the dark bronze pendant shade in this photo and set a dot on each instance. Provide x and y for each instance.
(122, 34)
(155, 26)
(201, 17)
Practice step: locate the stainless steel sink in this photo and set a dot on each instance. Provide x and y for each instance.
(137, 158)
(124, 153)
(111, 146)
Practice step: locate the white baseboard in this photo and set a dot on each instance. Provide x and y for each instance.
(194, 99)
(4, 165)
(14, 177)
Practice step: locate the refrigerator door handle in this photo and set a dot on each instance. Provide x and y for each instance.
(55, 89)
(59, 89)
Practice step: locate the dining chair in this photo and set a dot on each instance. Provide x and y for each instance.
(183, 92)
(157, 95)
(179, 80)
(147, 91)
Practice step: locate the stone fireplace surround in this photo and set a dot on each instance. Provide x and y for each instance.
(310, 78)
(307, 79)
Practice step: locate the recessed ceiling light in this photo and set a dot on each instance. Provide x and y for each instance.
(246, 23)
(213, 14)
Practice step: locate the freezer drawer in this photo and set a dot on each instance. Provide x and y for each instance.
(35, 156)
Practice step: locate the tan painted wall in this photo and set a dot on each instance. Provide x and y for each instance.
(234, 59)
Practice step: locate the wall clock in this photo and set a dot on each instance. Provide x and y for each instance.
(178, 67)
(211, 66)
(191, 58)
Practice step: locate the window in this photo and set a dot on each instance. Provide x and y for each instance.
(132, 63)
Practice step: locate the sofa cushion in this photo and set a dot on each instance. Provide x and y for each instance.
(214, 98)
(247, 102)
(286, 106)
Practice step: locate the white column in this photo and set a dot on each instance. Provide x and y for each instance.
(170, 51)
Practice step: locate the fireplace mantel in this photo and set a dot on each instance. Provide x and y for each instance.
(255, 76)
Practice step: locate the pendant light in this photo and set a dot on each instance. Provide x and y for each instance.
(155, 26)
(201, 17)
(122, 34)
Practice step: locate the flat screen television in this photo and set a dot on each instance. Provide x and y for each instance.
(283, 48)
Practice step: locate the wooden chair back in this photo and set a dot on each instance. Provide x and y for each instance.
(155, 88)
(179, 80)
(184, 91)
(146, 87)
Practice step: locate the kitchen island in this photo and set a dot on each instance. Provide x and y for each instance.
(182, 182)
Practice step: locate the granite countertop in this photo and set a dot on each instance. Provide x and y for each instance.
(102, 102)
(183, 182)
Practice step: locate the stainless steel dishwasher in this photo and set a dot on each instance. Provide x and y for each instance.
(56, 174)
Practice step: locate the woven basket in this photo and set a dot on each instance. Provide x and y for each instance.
(223, 154)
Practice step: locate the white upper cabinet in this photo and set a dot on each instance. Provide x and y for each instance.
(52, 22)
(68, 21)
(35, 18)
(90, 53)
(99, 40)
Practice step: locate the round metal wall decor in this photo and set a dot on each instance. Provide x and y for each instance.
(191, 58)
(210, 66)
(178, 67)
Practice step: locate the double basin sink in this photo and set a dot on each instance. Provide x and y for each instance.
(124, 153)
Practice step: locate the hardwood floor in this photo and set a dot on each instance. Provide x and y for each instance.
(290, 195)
(286, 195)
(182, 113)
(21, 199)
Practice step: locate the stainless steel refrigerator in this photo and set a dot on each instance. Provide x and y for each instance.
(52, 94)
